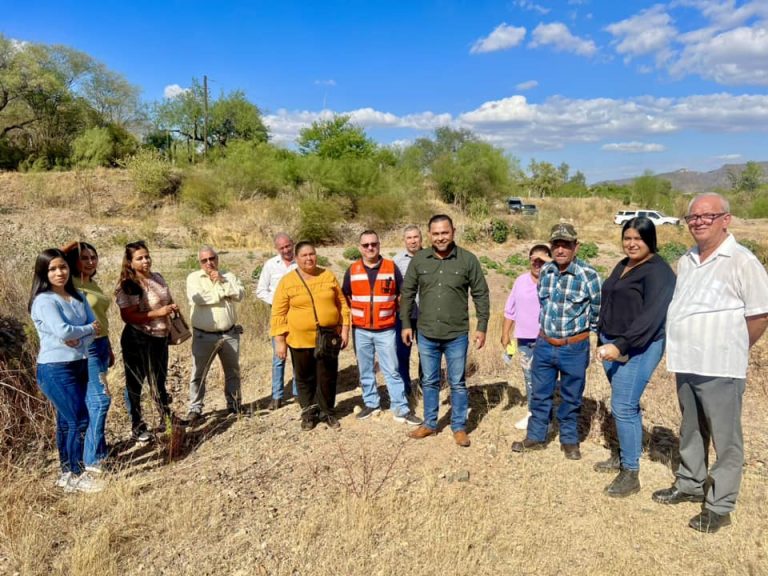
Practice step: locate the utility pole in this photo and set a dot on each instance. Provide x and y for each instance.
(205, 117)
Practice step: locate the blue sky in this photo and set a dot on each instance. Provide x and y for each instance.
(612, 88)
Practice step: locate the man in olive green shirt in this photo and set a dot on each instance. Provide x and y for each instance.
(443, 276)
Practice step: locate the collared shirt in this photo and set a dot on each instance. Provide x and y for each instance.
(213, 305)
(444, 285)
(274, 269)
(706, 326)
(402, 261)
(523, 307)
(570, 300)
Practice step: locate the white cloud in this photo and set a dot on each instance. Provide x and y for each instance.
(325, 82)
(503, 37)
(560, 38)
(738, 56)
(173, 90)
(648, 32)
(728, 157)
(633, 147)
(532, 6)
(528, 85)
(519, 125)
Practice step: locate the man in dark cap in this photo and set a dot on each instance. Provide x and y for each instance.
(569, 292)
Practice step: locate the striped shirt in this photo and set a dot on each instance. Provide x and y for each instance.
(570, 300)
(706, 327)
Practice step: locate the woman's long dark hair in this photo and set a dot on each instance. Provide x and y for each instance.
(646, 228)
(73, 251)
(40, 281)
(128, 281)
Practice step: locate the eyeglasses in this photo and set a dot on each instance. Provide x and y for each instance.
(370, 245)
(703, 218)
(206, 260)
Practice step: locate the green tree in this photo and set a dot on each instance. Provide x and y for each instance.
(335, 138)
(544, 180)
(649, 191)
(748, 180)
(103, 146)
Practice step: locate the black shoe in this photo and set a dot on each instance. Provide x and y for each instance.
(709, 522)
(571, 451)
(330, 421)
(140, 434)
(308, 424)
(275, 403)
(613, 464)
(674, 496)
(367, 412)
(625, 484)
(528, 444)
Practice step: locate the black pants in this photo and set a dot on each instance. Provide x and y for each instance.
(145, 358)
(315, 379)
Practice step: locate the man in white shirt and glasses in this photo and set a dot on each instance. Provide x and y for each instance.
(719, 310)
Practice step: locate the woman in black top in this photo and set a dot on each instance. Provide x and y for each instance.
(633, 312)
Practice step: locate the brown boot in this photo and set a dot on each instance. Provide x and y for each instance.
(461, 438)
(421, 432)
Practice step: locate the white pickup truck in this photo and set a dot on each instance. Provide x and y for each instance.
(655, 216)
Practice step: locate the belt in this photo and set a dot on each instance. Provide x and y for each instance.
(565, 341)
(217, 333)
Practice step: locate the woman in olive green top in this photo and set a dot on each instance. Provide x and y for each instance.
(83, 260)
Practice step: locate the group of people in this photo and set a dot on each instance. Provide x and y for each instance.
(707, 317)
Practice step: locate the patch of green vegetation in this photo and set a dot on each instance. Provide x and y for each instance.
(257, 272)
(352, 253)
(672, 251)
(588, 251)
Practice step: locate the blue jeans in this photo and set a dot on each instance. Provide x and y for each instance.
(525, 347)
(65, 385)
(367, 344)
(97, 401)
(278, 376)
(628, 381)
(430, 355)
(570, 362)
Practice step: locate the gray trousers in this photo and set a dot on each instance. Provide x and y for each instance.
(205, 347)
(711, 409)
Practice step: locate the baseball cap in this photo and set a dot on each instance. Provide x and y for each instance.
(563, 231)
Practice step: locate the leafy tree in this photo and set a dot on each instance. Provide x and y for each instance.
(103, 146)
(231, 117)
(650, 191)
(335, 138)
(748, 180)
(116, 100)
(545, 180)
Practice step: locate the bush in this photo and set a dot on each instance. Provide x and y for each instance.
(318, 220)
(152, 175)
(672, 251)
(471, 234)
(518, 260)
(202, 193)
(521, 230)
(499, 231)
(381, 211)
(251, 169)
(352, 253)
(102, 147)
(588, 250)
(759, 250)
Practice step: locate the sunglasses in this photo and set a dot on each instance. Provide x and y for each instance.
(370, 245)
(206, 260)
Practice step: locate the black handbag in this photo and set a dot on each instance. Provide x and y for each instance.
(327, 339)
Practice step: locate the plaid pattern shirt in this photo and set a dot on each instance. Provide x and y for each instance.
(570, 300)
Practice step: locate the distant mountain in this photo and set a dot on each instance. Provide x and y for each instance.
(690, 181)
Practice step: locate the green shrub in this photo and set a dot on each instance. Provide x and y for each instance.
(318, 220)
(521, 230)
(256, 272)
(488, 263)
(672, 251)
(102, 146)
(499, 231)
(152, 175)
(381, 211)
(352, 253)
(323, 261)
(202, 193)
(588, 250)
(249, 169)
(518, 260)
(471, 234)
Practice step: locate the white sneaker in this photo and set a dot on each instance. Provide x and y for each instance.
(63, 480)
(84, 483)
(522, 424)
(95, 469)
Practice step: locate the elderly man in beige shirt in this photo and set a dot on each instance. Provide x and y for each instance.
(213, 296)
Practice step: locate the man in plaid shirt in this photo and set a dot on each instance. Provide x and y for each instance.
(569, 292)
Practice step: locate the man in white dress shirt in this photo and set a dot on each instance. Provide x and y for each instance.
(273, 271)
(719, 310)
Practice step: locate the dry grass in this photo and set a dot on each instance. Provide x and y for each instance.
(254, 495)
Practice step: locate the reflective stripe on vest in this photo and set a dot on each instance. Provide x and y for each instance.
(373, 309)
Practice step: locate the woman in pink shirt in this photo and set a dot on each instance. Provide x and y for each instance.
(522, 313)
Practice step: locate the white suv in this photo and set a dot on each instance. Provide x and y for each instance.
(654, 216)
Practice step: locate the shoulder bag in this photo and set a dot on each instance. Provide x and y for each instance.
(179, 329)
